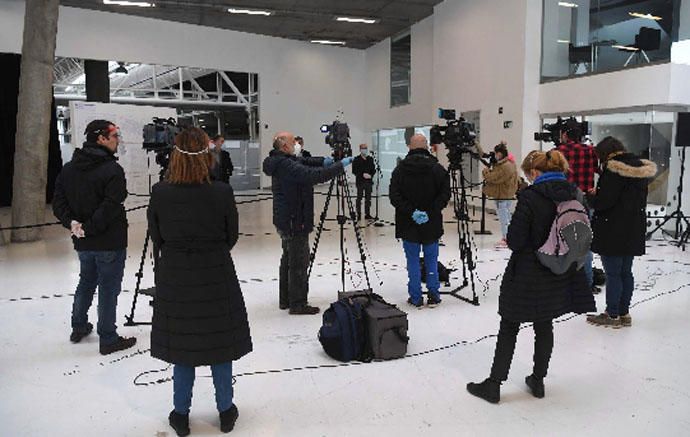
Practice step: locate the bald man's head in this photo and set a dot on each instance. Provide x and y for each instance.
(417, 141)
(285, 142)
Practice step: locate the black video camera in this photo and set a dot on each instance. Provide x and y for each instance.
(159, 137)
(338, 137)
(458, 135)
(573, 128)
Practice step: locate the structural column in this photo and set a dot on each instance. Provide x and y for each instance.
(97, 81)
(33, 118)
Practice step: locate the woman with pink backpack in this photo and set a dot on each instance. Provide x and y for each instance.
(530, 291)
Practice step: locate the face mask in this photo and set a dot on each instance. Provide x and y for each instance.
(364, 152)
(211, 145)
(298, 149)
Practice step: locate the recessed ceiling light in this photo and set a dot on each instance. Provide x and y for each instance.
(328, 42)
(249, 12)
(357, 20)
(568, 5)
(647, 16)
(563, 41)
(129, 3)
(631, 49)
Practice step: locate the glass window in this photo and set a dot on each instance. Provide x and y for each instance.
(401, 63)
(648, 134)
(594, 36)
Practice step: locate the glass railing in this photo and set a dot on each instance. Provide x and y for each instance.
(581, 37)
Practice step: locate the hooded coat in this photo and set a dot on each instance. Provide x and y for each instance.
(292, 183)
(501, 180)
(419, 182)
(530, 292)
(91, 189)
(619, 223)
(199, 314)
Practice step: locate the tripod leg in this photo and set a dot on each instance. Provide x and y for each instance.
(319, 228)
(358, 236)
(139, 275)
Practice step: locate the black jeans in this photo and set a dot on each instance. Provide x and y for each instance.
(364, 189)
(505, 346)
(294, 285)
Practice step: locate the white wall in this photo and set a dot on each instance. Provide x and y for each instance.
(479, 61)
(419, 111)
(301, 85)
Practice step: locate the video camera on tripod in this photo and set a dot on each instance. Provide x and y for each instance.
(574, 129)
(458, 135)
(338, 137)
(159, 138)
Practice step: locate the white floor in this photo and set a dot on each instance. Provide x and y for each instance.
(602, 382)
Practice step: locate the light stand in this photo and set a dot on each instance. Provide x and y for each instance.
(681, 234)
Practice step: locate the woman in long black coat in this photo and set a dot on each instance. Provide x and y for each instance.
(619, 225)
(199, 315)
(530, 292)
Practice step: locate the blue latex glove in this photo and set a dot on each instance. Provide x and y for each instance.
(347, 161)
(424, 217)
(327, 161)
(420, 217)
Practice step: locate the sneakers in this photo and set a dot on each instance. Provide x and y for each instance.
(122, 343)
(489, 390)
(419, 305)
(283, 307)
(604, 320)
(433, 301)
(78, 334)
(536, 386)
(626, 320)
(595, 289)
(305, 310)
(179, 422)
(503, 244)
(228, 418)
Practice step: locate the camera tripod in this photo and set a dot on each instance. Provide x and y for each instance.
(458, 188)
(344, 206)
(151, 291)
(681, 234)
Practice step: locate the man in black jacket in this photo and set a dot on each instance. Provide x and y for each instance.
(292, 183)
(222, 163)
(89, 196)
(419, 190)
(364, 169)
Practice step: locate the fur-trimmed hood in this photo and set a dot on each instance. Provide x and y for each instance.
(630, 166)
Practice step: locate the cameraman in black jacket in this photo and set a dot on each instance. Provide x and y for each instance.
(89, 196)
(292, 183)
(364, 169)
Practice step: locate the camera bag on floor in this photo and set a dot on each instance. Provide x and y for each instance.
(343, 332)
(386, 327)
(443, 272)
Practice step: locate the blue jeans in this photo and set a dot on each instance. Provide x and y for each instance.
(619, 284)
(589, 269)
(414, 273)
(503, 212)
(103, 269)
(183, 382)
